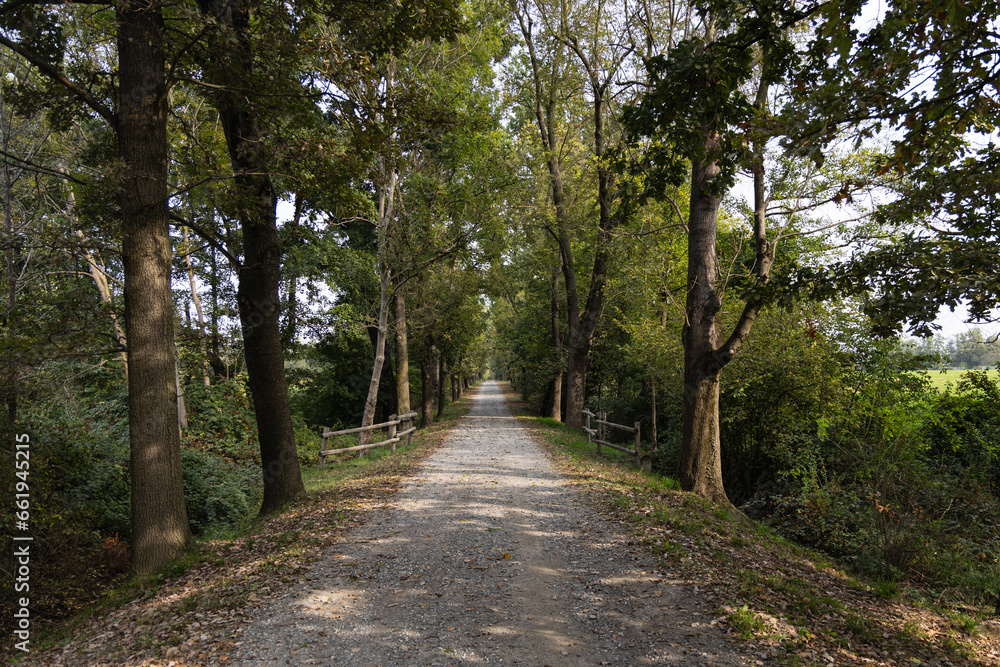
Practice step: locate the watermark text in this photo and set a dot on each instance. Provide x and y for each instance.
(22, 542)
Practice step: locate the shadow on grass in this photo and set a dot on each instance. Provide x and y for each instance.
(791, 605)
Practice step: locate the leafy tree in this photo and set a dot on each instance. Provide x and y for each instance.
(710, 105)
(924, 76)
(160, 530)
(575, 45)
(973, 350)
(229, 70)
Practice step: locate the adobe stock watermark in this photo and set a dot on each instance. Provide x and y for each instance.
(22, 542)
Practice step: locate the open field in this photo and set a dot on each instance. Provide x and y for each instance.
(940, 379)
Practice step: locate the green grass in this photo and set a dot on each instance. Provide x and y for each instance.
(253, 532)
(745, 623)
(941, 379)
(816, 603)
(339, 467)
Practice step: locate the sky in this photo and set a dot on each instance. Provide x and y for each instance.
(953, 323)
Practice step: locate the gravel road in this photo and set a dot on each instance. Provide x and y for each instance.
(486, 557)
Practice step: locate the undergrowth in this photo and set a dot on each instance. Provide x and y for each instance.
(229, 559)
(796, 603)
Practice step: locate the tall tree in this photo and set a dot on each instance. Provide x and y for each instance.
(160, 530)
(434, 131)
(230, 70)
(699, 112)
(579, 51)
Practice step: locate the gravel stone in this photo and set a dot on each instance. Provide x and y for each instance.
(486, 557)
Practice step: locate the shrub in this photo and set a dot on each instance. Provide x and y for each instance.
(307, 441)
(745, 623)
(221, 420)
(217, 491)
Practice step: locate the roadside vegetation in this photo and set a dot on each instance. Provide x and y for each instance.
(835, 439)
(229, 224)
(194, 608)
(789, 604)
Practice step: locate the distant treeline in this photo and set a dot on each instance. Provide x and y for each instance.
(974, 348)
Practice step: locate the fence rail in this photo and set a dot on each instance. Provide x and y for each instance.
(599, 434)
(394, 435)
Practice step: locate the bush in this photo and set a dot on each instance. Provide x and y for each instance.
(221, 420)
(216, 491)
(307, 441)
(330, 386)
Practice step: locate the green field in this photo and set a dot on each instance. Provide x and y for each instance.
(940, 379)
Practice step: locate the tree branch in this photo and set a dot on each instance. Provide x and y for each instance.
(207, 237)
(55, 74)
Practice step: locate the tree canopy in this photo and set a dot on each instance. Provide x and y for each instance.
(229, 225)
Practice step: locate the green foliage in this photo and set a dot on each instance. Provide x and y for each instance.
(898, 479)
(80, 466)
(79, 470)
(786, 378)
(698, 106)
(745, 623)
(858, 81)
(221, 419)
(307, 441)
(218, 492)
(329, 387)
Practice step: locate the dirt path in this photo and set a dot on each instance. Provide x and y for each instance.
(486, 557)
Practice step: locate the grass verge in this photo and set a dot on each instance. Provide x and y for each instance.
(790, 606)
(192, 611)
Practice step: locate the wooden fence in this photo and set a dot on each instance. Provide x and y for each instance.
(599, 434)
(394, 435)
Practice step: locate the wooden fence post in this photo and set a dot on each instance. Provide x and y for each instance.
(322, 447)
(409, 436)
(586, 415)
(392, 432)
(638, 455)
(601, 416)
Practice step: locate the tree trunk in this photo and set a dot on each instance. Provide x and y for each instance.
(388, 383)
(260, 273)
(442, 376)
(202, 345)
(368, 417)
(555, 409)
(580, 325)
(701, 457)
(387, 380)
(402, 357)
(182, 418)
(386, 201)
(436, 374)
(652, 386)
(219, 365)
(427, 389)
(582, 328)
(160, 530)
(100, 278)
(576, 384)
